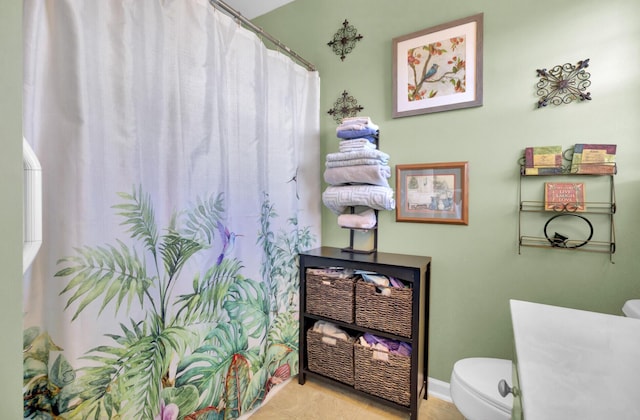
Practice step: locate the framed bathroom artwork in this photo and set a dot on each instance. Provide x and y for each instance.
(438, 68)
(433, 193)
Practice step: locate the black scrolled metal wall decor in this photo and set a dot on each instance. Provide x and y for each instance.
(558, 240)
(344, 106)
(564, 84)
(344, 41)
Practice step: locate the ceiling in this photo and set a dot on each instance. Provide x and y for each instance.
(252, 8)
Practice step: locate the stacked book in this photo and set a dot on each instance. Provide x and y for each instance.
(594, 159)
(597, 159)
(543, 160)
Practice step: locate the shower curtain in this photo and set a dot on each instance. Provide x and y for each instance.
(181, 177)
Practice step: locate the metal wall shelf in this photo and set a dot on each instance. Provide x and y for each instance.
(592, 207)
(600, 215)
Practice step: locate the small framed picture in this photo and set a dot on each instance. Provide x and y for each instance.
(439, 68)
(433, 193)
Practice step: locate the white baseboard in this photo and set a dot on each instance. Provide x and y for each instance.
(439, 389)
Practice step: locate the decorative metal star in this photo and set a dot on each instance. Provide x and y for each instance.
(564, 84)
(345, 106)
(344, 41)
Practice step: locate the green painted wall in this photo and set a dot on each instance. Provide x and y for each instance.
(476, 268)
(11, 209)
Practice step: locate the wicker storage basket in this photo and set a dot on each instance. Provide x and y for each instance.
(331, 357)
(390, 313)
(383, 374)
(330, 295)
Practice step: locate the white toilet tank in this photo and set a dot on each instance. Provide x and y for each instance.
(631, 308)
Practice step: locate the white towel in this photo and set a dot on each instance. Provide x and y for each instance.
(360, 120)
(353, 162)
(356, 123)
(345, 149)
(359, 154)
(357, 141)
(355, 144)
(360, 174)
(338, 198)
(364, 220)
(355, 126)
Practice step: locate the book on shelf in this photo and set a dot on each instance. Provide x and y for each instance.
(557, 170)
(564, 196)
(543, 160)
(594, 159)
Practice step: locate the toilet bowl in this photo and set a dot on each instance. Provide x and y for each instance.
(474, 388)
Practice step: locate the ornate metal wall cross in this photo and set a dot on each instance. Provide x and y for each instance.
(345, 106)
(344, 41)
(564, 84)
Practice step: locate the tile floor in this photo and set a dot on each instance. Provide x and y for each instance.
(318, 400)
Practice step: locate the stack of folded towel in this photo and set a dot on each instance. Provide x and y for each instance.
(358, 128)
(358, 175)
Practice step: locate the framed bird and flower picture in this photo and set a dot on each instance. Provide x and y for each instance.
(439, 68)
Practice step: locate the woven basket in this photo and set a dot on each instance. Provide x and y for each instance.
(331, 357)
(331, 297)
(390, 313)
(389, 379)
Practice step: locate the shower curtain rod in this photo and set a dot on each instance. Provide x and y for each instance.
(258, 30)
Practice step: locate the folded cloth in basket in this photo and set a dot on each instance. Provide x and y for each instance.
(378, 280)
(338, 198)
(333, 272)
(360, 174)
(327, 328)
(364, 220)
(386, 344)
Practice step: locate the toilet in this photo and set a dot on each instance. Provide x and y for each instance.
(631, 308)
(474, 388)
(474, 382)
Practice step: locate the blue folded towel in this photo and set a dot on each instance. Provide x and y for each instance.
(353, 134)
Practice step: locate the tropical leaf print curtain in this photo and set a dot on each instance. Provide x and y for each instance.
(181, 178)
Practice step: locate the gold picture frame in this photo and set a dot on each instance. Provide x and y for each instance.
(433, 193)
